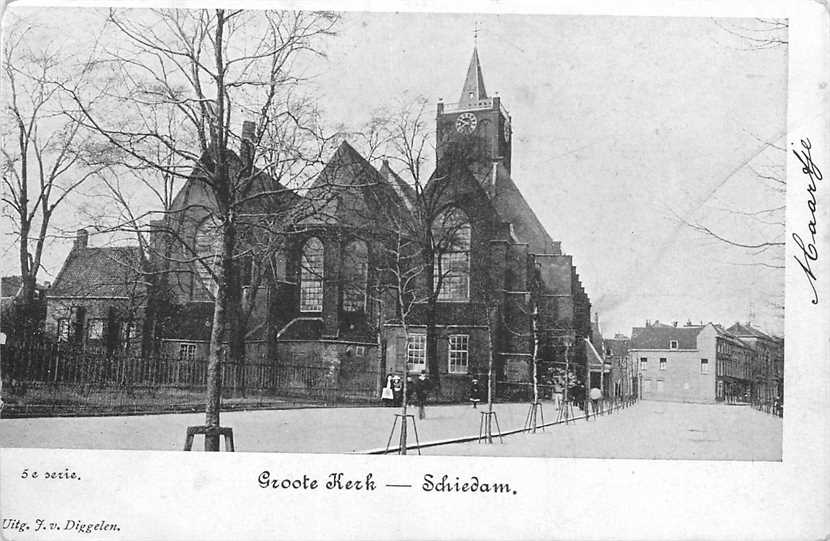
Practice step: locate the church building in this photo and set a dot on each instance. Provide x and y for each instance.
(505, 271)
(315, 275)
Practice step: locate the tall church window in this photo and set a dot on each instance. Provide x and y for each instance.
(355, 268)
(207, 247)
(451, 232)
(311, 276)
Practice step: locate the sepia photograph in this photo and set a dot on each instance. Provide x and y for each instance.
(408, 233)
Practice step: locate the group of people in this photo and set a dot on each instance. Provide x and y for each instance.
(416, 388)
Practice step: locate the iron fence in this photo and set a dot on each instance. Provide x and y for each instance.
(57, 375)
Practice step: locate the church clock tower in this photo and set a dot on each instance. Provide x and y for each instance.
(478, 126)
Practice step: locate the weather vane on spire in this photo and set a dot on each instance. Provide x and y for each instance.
(475, 33)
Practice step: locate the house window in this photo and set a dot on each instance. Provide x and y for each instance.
(459, 353)
(672, 344)
(360, 351)
(662, 363)
(643, 363)
(311, 276)
(416, 352)
(187, 351)
(95, 329)
(63, 330)
(451, 234)
(355, 267)
(704, 366)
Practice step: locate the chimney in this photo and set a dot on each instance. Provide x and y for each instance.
(81, 239)
(648, 323)
(247, 147)
(674, 323)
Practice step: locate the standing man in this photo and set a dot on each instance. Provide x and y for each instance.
(475, 393)
(422, 387)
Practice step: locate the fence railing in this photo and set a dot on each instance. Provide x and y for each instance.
(57, 373)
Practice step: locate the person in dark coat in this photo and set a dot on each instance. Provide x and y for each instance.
(397, 390)
(422, 388)
(475, 393)
(410, 390)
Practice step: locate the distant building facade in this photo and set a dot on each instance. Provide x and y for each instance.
(695, 363)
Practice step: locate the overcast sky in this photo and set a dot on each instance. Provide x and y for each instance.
(619, 124)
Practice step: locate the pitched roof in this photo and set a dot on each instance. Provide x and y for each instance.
(10, 286)
(100, 272)
(349, 191)
(618, 346)
(402, 188)
(593, 356)
(747, 331)
(652, 337)
(473, 89)
(513, 207)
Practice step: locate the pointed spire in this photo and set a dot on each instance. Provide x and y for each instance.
(473, 90)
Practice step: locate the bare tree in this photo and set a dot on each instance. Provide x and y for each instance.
(401, 136)
(45, 158)
(756, 234)
(210, 66)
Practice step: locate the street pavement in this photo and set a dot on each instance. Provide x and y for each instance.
(649, 430)
(646, 430)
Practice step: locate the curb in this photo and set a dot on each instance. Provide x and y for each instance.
(463, 439)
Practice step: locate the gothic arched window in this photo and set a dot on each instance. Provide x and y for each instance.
(311, 276)
(451, 234)
(207, 248)
(355, 268)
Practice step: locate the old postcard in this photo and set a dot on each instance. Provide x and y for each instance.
(443, 271)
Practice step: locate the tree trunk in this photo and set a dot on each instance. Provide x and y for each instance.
(236, 330)
(217, 338)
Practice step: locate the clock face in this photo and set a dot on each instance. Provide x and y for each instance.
(466, 123)
(507, 130)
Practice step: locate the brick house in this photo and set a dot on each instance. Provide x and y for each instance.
(99, 297)
(767, 374)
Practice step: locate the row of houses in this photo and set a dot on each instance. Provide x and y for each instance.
(316, 293)
(697, 363)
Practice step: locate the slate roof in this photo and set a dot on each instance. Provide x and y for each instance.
(100, 272)
(747, 331)
(512, 207)
(618, 347)
(473, 89)
(10, 285)
(402, 188)
(349, 191)
(652, 337)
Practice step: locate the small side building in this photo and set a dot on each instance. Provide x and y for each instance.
(98, 299)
